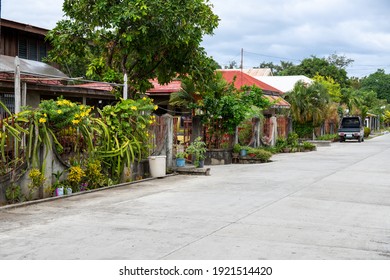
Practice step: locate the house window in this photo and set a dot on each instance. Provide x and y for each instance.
(22, 52)
(8, 100)
(32, 49)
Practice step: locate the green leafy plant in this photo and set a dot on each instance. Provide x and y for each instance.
(308, 146)
(367, 132)
(93, 174)
(331, 137)
(236, 148)
(75, 176)
(181, 155)
(198, 150)
(37, 180)
(280, 144)
(292, 140)
(124, 135)
(260, 154)
(13, 193)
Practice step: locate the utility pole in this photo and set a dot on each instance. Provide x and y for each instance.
(242, 59)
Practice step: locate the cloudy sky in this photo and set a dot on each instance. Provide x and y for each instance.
(271, 31)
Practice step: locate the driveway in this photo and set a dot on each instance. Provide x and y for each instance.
(329, 204)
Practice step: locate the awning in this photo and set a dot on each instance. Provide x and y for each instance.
(30, 67)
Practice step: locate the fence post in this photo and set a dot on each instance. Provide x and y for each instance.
(168, 142)
(256, 133)
(47, 159)
(18, 100)
(196, 128)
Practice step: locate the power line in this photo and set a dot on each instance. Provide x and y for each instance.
(278, 57)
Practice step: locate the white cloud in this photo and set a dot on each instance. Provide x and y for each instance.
(276, 30)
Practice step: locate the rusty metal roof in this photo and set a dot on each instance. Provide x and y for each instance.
(242, 79)
(171, 87)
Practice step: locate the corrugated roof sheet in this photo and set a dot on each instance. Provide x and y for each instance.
(96, 86)
(258, 72)
(29, 67)
(173, 86)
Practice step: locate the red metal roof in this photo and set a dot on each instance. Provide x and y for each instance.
(96, 86)
(173, 86)
(243, 79)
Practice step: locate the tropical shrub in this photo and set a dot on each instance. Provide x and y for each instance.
(75, 176)
(260, 154)
(124, 130)
(13, 193)
(198, 150)
(331, 137)
(93, 174)
(367, 132)
(292, 140)
(37, 180)
(308, 146)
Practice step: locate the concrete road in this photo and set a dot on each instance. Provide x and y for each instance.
(329, 204)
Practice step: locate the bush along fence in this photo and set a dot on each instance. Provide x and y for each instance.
(63, 147)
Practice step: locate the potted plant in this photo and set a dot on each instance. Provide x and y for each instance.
(244, 151)
(181, 159)
(198, 150)
(236, 150)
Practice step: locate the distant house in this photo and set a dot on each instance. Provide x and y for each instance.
(23, 40)
(161, 95)
(240, 78)
(276, 124)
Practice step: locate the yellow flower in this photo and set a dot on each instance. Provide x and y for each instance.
(59, 111)
(155, 107)
(45, 115)
(151, 121)
(42, 120)
(144, 98)
(75, 121)
(77, 116)
(133, 108)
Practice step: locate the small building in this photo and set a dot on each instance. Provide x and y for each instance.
(39, 80)
(23, 40)
(276, 123)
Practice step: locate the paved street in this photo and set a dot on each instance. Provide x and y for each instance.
(329, 204)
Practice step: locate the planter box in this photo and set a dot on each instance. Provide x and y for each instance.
(218, 157)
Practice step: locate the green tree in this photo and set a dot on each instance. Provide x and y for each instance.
(340, 61)
(308, 103)
(349, 98)
(276, 69)
(331, 86)
(313, 66)
(368, 102)
(378, 82)
(141, 38)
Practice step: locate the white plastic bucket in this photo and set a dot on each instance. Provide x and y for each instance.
(157, 166)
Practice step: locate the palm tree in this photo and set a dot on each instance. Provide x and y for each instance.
(349, 98)
(185, 96)
(308, 103)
